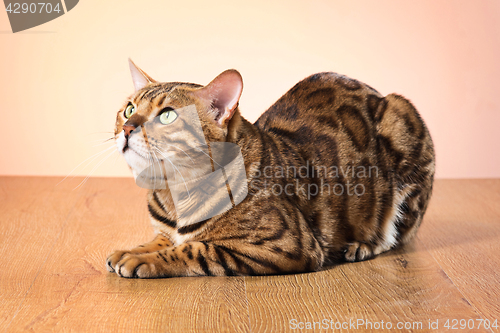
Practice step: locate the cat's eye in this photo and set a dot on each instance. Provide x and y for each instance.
(168, 117)
(129, 111)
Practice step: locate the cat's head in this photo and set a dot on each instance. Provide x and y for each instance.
(174, 118)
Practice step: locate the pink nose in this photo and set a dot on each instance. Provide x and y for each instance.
(128, 129)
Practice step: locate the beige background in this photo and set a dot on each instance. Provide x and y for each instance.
(62, 82)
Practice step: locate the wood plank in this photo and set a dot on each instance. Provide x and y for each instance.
(33, 211)
(462, 232)
(74, 290)
(405, 286)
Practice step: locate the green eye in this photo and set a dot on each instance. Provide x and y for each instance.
(129, 111)
(168, 117)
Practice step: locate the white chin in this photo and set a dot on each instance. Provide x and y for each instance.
(135, 161)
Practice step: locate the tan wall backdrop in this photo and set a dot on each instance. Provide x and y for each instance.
(62, 82)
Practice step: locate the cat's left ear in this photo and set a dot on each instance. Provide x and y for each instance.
(140, 78)
(223, 93)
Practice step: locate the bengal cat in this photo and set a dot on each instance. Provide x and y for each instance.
(335, 172)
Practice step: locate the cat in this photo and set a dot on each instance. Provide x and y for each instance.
(335, 172)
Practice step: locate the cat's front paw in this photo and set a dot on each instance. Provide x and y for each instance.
(136, 266)
(113, 259)
(357, 251)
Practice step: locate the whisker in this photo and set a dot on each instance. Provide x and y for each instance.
(94, 133)
(170, 145)
(107, 141)
(168, 159)
(99, 139)
(210, 157)
(95, 168)
(91, 158)
(151, 159)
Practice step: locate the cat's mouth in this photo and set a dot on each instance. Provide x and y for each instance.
(125, 148)
(141, 160)
(130, 150)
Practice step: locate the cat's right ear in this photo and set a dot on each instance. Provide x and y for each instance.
(139, 77)
(223, 94)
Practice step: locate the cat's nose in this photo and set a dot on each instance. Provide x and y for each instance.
(135, 121)
(128, 129)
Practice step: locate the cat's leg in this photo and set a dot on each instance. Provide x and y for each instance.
(160, 242)
(207, 259)
(408, 209)
(361, 250)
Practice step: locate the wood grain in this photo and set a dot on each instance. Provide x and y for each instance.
(462, 232)
(405, 286)
(54, 242)
(33, 214)
(74, 286)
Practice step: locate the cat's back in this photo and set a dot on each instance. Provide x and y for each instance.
(320, 95)
(325, 109)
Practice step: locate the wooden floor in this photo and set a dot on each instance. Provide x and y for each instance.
(54, 241)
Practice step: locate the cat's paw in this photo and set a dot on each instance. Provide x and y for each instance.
(113, 259)
(136, 266)
(357, 251)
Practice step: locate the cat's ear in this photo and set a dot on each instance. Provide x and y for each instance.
(140, 78)
(223, 93)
